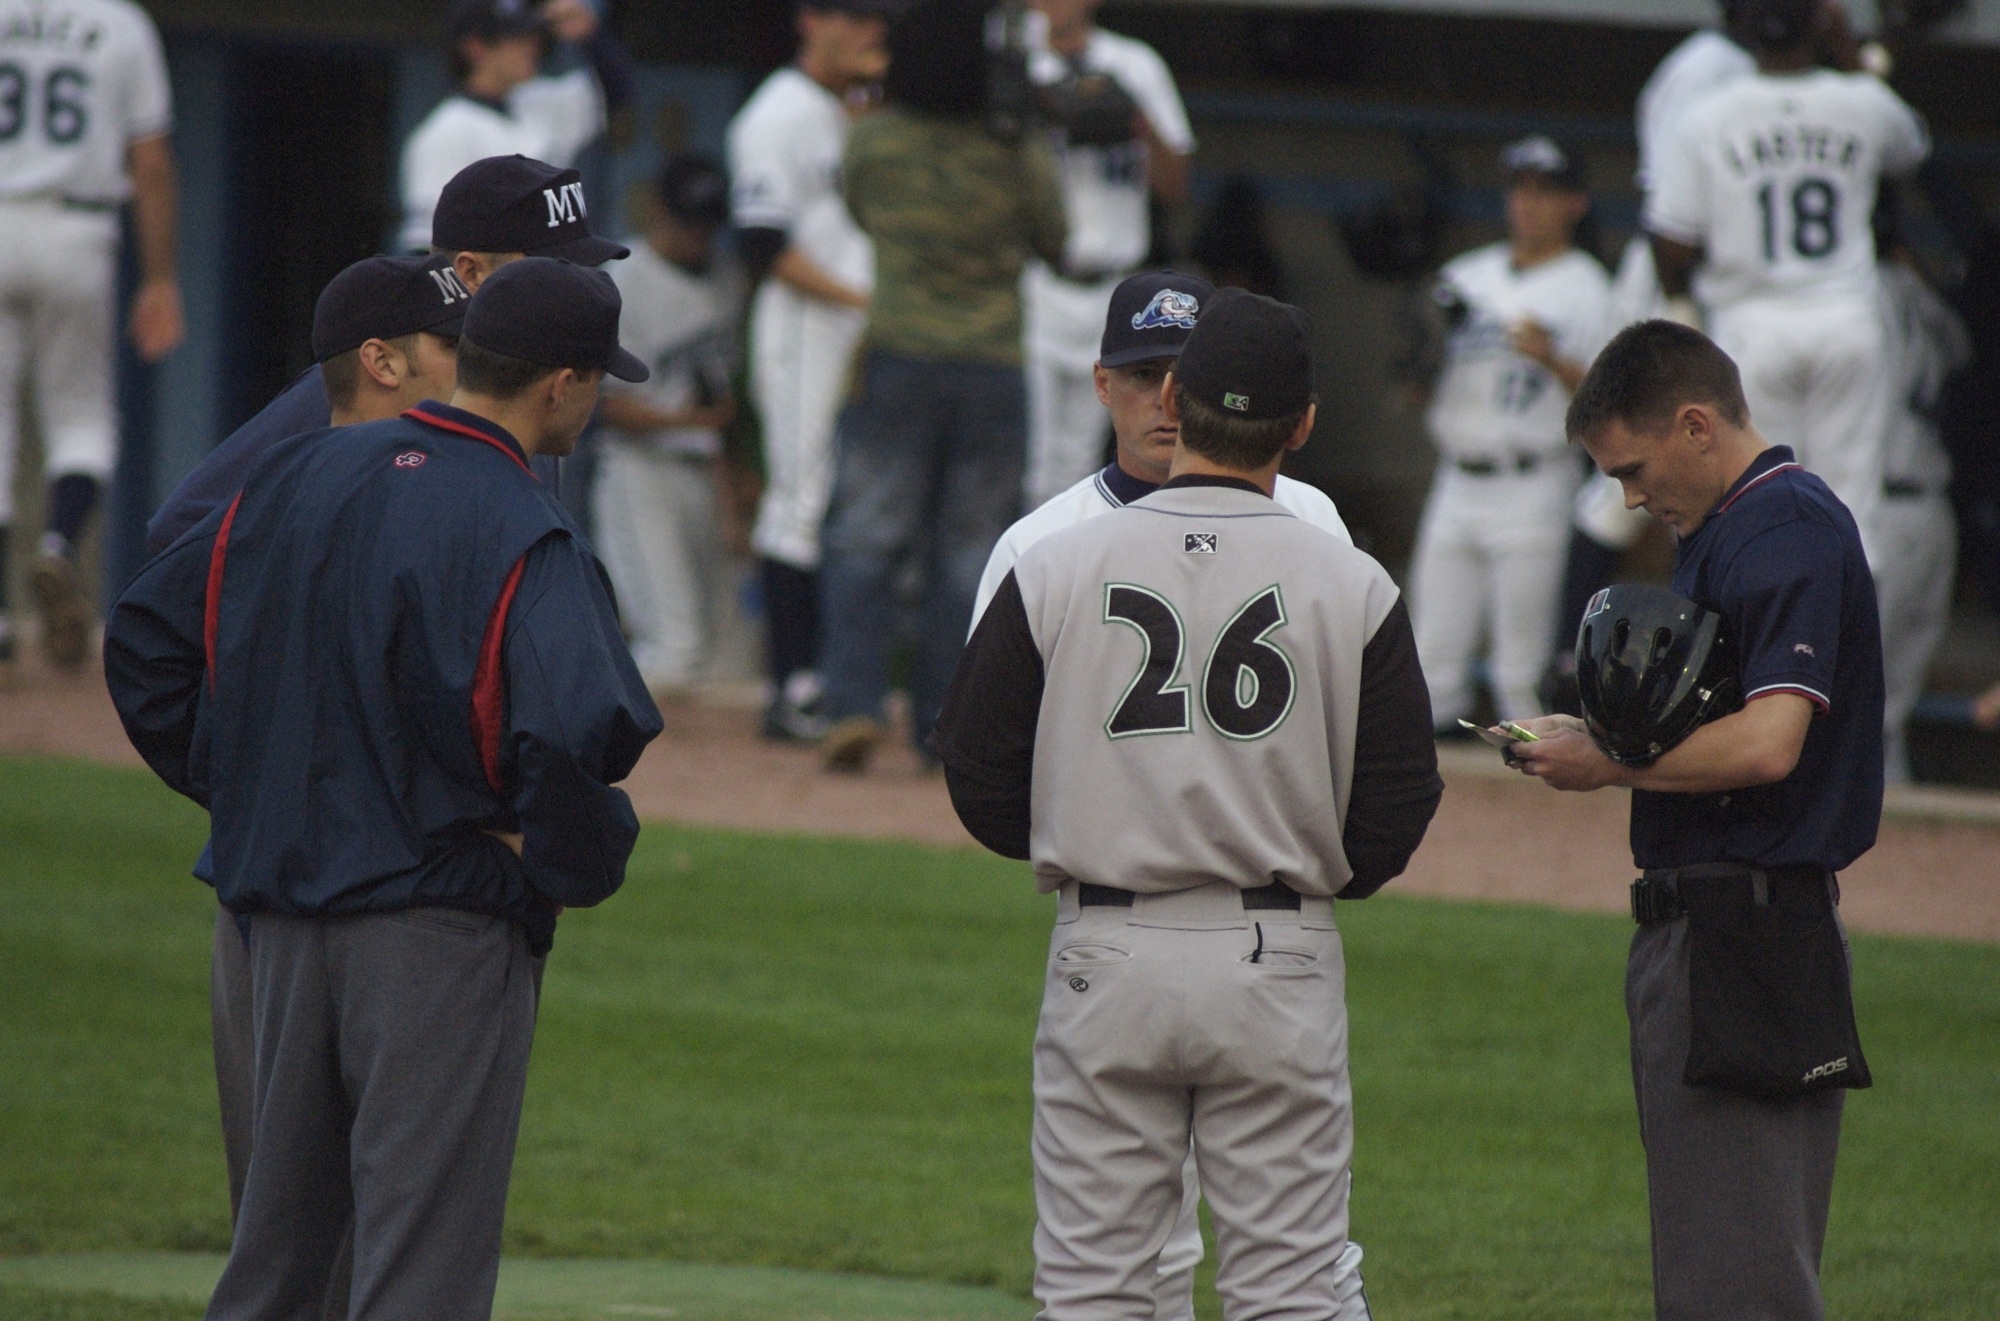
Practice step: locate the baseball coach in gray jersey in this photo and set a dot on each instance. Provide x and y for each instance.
(1202, 719)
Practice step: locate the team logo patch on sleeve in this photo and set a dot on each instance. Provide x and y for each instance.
(411, 459)
(1199, 543)
(1170, 307)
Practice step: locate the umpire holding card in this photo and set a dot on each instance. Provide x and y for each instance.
(1741, 1012)
(391, 669)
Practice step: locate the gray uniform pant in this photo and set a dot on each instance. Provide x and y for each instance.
(391, 1060)
(1182, 1018)
(1739, 1188)
(233, 1027)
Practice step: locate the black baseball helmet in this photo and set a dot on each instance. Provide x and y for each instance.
(1651, 667)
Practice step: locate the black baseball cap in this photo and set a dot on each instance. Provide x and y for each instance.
(384, 297)
(861, 8)
(1543, 155)
(515, 204)
(1152, 314)
(1249, 356)
(694, 188)
(552, 312)
(491, 20)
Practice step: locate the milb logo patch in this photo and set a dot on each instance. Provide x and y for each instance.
(1199, 543)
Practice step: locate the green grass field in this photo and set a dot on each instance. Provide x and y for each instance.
(773, 1052)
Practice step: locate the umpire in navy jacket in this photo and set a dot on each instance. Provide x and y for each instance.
(1739, 965)
(391, 669)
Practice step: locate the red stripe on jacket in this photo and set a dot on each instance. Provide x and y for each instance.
(211, 612)
(489, 691)
(472, 433)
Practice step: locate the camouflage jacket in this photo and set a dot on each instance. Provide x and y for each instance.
(954, 214)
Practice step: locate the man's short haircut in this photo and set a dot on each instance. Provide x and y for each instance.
(497, 375)
(1241, 443)
(1648, 374)
(342, 372)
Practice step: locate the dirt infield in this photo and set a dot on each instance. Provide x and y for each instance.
(1935, 871)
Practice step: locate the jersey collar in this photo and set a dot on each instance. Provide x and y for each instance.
(1765, 466)
(1121, 487)
(443, 417)
(1209, 479)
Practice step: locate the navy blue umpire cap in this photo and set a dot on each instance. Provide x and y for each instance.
(1249, 356)
(554, 313)
(385, 297)
(516, 204)
(1151, 316)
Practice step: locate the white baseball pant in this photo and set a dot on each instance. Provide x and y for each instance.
(1180, 1019)
(1916, 561)
(1816, 376)
(1067, 425)
(661, 542)
(1489, 565)
(58, 288)
(801, 362)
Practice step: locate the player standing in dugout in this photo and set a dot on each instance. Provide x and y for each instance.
(1202, 719)
(1123, 141)
(84, 120)
(1760, 210)
(816, 274)
(1737, 988)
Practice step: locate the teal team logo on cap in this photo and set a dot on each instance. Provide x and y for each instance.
(1170, 309)
(1239, 403)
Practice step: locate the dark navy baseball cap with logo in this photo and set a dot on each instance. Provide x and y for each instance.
(1151, 316)
(515, 204)
(1249, 357)
(1546, 157)
(386, 297)
(554, 313)
(493, 20)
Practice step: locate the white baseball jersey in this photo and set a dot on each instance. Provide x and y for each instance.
(682, 325)
(1704, 63)
(1105, 189)
(785, 151)
(1775, 177)
(1926, 343)
(546, 119)
(1491, 402)
(80, 81)
(1093, 496)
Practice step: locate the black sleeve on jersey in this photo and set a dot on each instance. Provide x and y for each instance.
(612, 64)
(760, 247)
(1396, 785)
(985, 735)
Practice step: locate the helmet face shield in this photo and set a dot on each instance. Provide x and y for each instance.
(1651, 668)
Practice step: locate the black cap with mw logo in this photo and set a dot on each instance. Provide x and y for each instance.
(514, 204)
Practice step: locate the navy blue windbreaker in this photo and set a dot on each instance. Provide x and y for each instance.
(302, 406)
(390, 642)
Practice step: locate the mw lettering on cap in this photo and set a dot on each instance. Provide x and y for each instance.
(565, 204)
(450, 285)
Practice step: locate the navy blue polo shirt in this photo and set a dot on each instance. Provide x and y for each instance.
(303, 406)
(1781, 560)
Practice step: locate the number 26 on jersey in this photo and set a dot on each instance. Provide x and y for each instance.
(1247, 686)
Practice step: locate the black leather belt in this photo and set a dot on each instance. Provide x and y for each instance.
(1263, 898)
(1656, 896)
(1494, 467)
